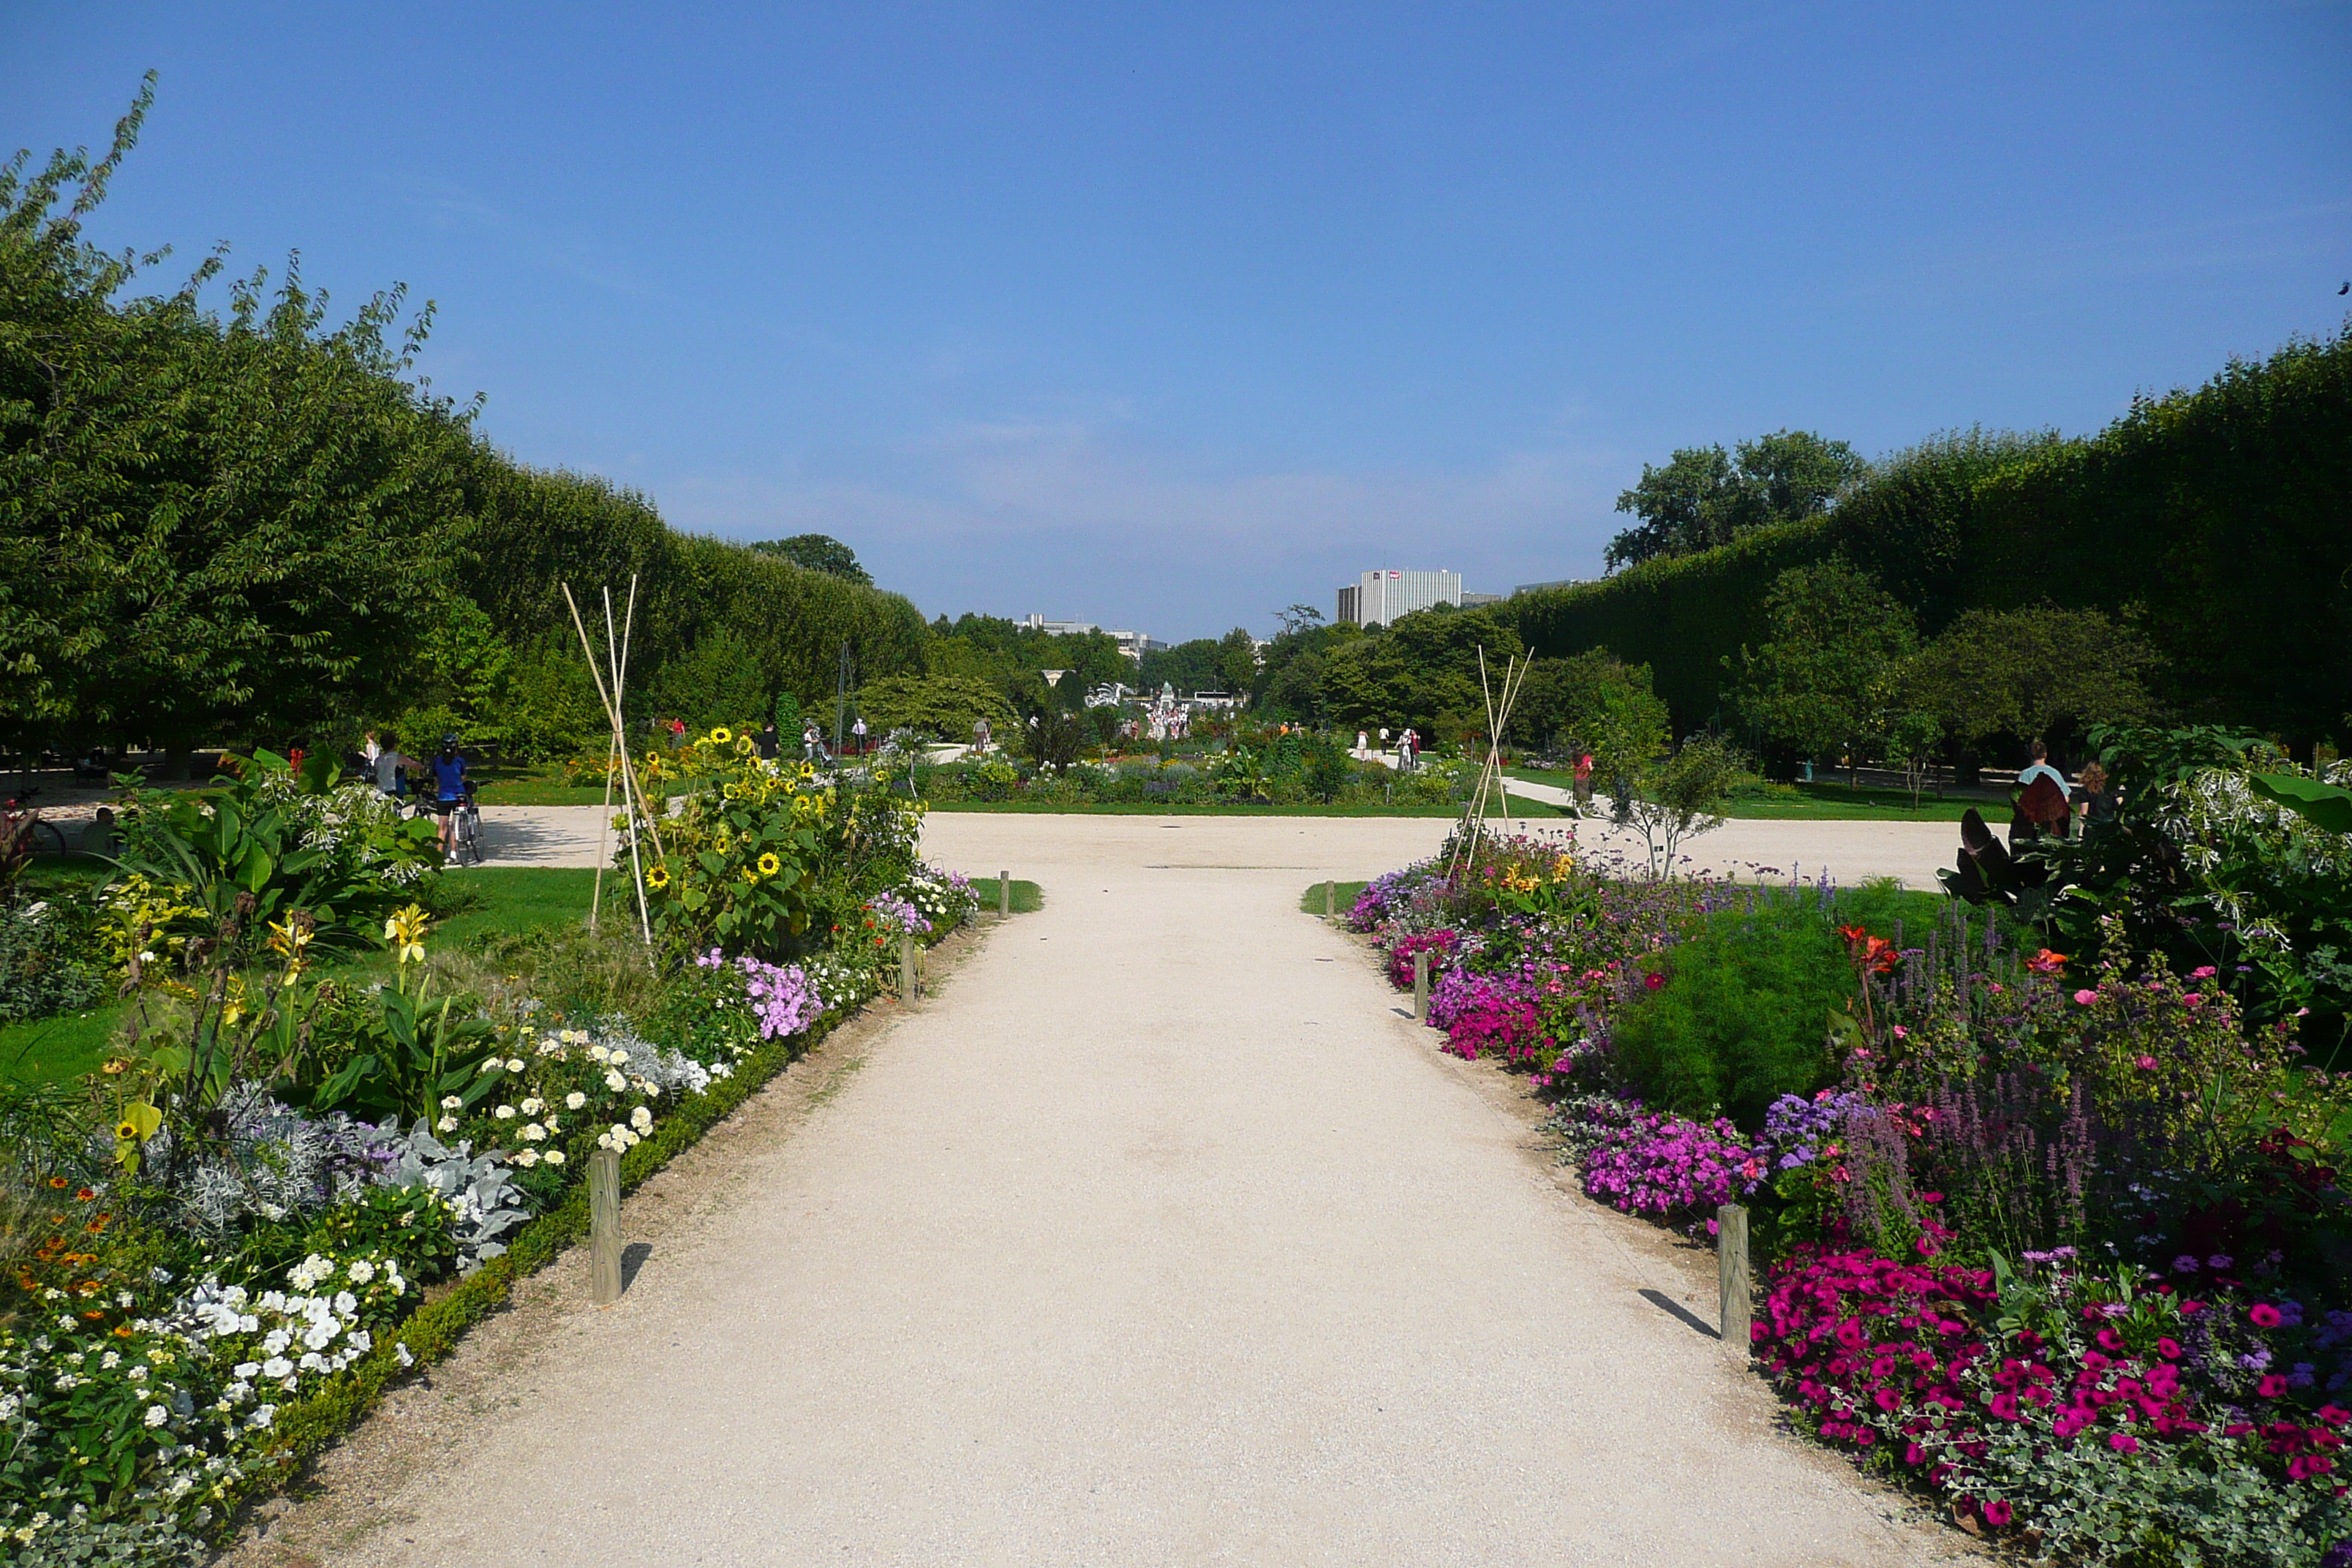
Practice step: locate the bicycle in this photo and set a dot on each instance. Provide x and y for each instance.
(466, 837)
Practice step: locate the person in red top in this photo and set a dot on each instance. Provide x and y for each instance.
(1583, 779)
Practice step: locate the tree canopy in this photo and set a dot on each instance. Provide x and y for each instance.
(1823, 681)
(819, 553)
(1705, 497)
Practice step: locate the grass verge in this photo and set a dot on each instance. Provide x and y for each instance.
(1343, 898)
(1028, 897)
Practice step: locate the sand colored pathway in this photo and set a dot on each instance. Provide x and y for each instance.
(1159, 1236)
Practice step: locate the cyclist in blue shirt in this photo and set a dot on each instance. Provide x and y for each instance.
(450, 786)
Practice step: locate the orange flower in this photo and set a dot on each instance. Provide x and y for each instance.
(57, 1182)
(2046, 962)
(86, 1193)
(123, 1331)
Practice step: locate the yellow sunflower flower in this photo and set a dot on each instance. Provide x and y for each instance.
(658, 878)
(721, 734)
(770, 864)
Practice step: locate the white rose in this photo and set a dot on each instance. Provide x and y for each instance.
(555, 1156)
(574, 1100)
(620, 1059)
(514, 1064)
(533, 1133)
(641, 1119)
(615, 1080)
(504, 1113)
(526, 1158)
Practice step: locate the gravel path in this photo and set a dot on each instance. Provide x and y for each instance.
(1850, 851)
(1159, 1236)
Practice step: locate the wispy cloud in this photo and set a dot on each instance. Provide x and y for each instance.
(1084, 517)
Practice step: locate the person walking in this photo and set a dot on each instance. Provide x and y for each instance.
(1583, 779)
(2042, 792)
(857, 733)
(981, 735)
(2094, 803)
(391, 770)
(450, 788)
(1363, 745)
(769, 742)
(810, 744)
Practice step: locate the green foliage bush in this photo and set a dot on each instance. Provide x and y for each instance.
(944, 707)
(1740, 1017)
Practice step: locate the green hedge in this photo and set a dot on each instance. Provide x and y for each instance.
(2220, 518)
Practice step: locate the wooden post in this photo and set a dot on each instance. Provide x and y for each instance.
(1420, 986)
(906, 966)
(1731, 1274)
(604, 1226)
(1004, 895)
(1330, 898)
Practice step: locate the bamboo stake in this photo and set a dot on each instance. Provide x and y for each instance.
(612, 715)
(603, 834)
(629, 793)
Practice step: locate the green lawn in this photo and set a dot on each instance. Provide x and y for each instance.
(1027, 896)
(44, 1051)
(1343, 898)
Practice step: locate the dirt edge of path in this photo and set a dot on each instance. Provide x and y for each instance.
(345, 1494)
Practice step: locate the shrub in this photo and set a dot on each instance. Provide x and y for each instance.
(45, 962)
(1735, 1017)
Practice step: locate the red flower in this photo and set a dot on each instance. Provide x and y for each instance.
(2263, 1315)
(1997, 1513)
(1654, 981)
(2272, 1387)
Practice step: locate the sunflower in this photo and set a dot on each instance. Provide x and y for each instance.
(770, 864)
(721, 734)
(745, 745)
(658, 878)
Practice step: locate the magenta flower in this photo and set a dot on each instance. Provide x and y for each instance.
(2122, 1442)
(2087, 997)
(2145, 1064)
(1998, 1514)
(2263, 1315)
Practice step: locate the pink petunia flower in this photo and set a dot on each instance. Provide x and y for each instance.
(2087, 997)
(2263, 1315)
(1998, 1514)
(2122, 1442)
(2145, 1064)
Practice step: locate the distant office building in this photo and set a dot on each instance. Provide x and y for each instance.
(1470, 601)
(1135, 645)
(1560, 583)
(1376, 598)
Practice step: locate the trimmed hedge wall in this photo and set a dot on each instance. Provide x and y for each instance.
(2220, 520)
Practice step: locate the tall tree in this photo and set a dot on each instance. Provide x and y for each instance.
(819, 553)
(1706, 497)
(1823, 681)
(2040, 672)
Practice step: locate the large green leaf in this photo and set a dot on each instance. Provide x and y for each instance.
(2326, 805)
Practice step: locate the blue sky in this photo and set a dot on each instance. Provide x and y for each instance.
(1166, 316)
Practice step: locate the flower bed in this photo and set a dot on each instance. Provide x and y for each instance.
(2054, 1239)
(285, 1192)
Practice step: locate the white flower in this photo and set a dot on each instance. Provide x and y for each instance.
(362, 1272)
(555, 1156)
(533, 1133)
(276, 1366)
(157, 1415)
(533, 1106)
(451, 1102)
(514, 1064)
(249, 1369)
(574, 1100)
(263, 1415)
(553, 1125)
(526, 1158)
(620, 1059)
(361, 1342)
(109, 1361)
(641, 1119)
(401, 1351)
(598, 1054)
(504, 1113)
(448, 1124)
(278, 1340)
(346, 1304)
(615, 1080)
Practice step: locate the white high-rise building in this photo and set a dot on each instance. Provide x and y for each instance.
(1376, 598)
